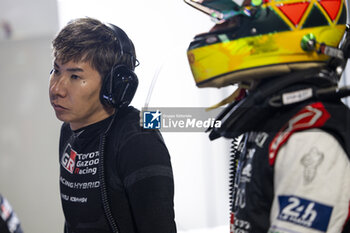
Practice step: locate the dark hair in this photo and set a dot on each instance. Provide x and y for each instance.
(89, 40)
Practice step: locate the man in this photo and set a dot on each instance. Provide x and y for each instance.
(291, 170)
(114, 176)
(9, 222)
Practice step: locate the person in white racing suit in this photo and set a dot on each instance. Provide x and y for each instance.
(290, 128)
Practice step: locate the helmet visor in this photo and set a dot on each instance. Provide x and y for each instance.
(219, 10)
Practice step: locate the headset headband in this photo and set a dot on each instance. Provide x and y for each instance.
(125, 44)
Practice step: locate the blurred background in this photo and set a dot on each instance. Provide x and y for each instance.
(29, 131)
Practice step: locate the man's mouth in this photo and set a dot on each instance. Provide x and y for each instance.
(58, 107)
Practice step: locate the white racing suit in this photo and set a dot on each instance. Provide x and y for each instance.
(293, 174)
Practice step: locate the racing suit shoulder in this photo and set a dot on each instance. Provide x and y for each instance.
(311, 184)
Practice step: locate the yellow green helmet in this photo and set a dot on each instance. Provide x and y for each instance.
(263, 38)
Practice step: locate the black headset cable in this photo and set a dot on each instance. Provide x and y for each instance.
(103, 188)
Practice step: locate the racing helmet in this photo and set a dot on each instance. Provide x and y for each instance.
(264, 38)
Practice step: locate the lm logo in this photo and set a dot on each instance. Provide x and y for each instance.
(152, 119)
(68, 159)
(304, 212)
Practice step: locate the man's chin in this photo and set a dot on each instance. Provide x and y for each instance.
(62, 117)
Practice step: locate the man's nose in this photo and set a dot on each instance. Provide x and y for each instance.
(58, 85)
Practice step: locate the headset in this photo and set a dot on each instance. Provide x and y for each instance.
(119, 86)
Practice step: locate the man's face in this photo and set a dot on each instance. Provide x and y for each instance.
(74, 94)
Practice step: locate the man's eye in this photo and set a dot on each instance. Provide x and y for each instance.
(54, 71)
(74, 76)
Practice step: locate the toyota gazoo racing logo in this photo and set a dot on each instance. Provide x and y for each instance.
(68, 159)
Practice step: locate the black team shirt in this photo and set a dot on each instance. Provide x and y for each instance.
(138, 177)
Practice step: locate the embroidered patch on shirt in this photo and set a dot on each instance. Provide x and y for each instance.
(304, 212)
(311, 161)
(68, 159)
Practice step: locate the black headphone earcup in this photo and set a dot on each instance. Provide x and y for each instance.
(119, 87)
